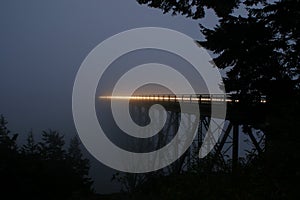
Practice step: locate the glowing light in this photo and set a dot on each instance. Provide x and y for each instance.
(179, 98)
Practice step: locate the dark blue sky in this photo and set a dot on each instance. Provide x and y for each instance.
(42, 44)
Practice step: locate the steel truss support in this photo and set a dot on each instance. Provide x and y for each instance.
(230, 135)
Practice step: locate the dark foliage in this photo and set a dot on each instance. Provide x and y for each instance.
(260, 52)
(192, 8)
(260, 49)
(42, 170)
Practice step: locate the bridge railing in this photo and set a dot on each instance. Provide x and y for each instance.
(194, 98)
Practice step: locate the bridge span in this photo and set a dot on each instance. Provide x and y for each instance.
(242, 116)
(237, 110)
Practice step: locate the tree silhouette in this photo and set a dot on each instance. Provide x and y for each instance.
(43, 170)
(79, 164)
(52, 145)
(31, 147)
(259, 50)
(193, 8)
(7, 143)
(8, 158)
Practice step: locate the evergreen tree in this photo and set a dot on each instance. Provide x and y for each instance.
(52, 145)
(31, 147)
(8, 161)
(80, 165)
(260, 53)
(259, 50)
(43, 170)
(7, 143)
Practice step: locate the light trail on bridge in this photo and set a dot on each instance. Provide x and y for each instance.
(201, 98)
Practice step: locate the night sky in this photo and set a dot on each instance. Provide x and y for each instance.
(42, 45)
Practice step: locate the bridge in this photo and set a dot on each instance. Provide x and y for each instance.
(187, 98)
(240, 118)
(237, 111)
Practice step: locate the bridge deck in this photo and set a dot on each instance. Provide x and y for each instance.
(235, 110)
(188, 98)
